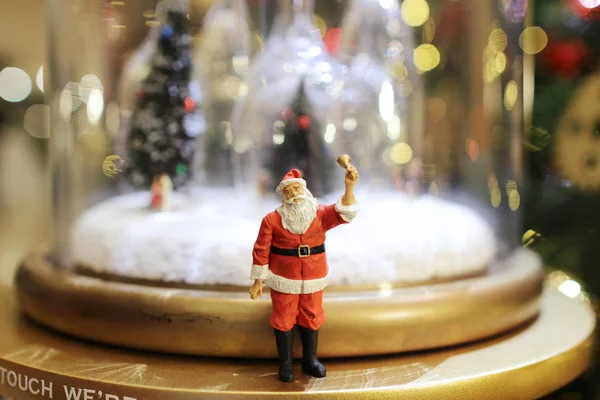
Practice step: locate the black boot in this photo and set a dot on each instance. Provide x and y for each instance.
(310, 362)
(284, 342)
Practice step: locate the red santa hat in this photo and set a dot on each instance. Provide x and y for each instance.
(292, 176)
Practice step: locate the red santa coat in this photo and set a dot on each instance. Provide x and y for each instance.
(291, 274)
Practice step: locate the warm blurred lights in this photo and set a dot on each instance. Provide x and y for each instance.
(495, 197)
(117, 3)
(414, 12)
(500, 63)
(395, 52)
(95, 106)
(329, 133)
(533, 40)
(394, 128)
(401, 153)
(428, 31)
(426, 57)
(243, 89)
(87, 84)
(406, 87)
(511, 93)
(386, 102)
(492, 182)
(497, 40)
(570, 288)
(399, 71)
(231, 86)
(149, 14)
(393, 27)
(278, 138)
(69, 100)
(39, 78)
(15, 84)
(472, 148)
(37, 121)
(514, 200)
(240, 64)
(510, 186)
(589, 3)
(349, 124)
(152, 24)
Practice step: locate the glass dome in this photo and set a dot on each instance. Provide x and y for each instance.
(427, 102)
(166, 97)
(170, 138)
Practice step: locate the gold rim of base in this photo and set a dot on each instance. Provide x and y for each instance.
(527, 363)
(229, 324)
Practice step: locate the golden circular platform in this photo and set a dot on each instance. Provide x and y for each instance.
(229, 324)
(524, 364)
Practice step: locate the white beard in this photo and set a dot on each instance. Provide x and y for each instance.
(297, 217)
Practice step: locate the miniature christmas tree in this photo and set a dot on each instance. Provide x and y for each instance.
(298, 143)
(162, 140)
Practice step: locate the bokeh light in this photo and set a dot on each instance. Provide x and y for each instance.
(414, 12)
(511, 94)
(498, 40)
(330, 131)
(37, 121)
(401, 153)
(386, 102)
(533, 40)
(69, 100)
(428, 31)
(514, 10)
(514, 200)
(472, 148)
(87, 85)
(426, 57)
(15, 84)
(39, 78)
(95, 106)
(495, 197)
(589, 3)
(570, 288)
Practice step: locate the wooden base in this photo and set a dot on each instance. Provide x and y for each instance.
(230, 324)
(525, 364)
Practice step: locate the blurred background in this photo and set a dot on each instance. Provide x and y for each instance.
(560, 201)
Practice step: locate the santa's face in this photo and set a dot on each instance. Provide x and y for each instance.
(298, 209)
(293, 191)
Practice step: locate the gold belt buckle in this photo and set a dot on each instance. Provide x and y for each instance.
(302, 246)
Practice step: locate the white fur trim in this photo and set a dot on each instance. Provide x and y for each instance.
(259, 272)
(295, 286)
(289, 181)
(347, 212)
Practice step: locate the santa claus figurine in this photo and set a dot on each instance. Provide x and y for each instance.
(289, 257)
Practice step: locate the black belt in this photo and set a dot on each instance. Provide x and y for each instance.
(302, 251)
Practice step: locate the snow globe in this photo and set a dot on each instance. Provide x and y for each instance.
(167, 150)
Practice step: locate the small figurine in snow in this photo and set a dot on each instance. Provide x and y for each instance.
(289, 257)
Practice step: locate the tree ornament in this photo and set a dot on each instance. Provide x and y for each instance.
(189, 104)
(167, 32)
(160, 143)
(303, 122)
(567, 57)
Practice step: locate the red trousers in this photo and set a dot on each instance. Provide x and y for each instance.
(305, 310)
